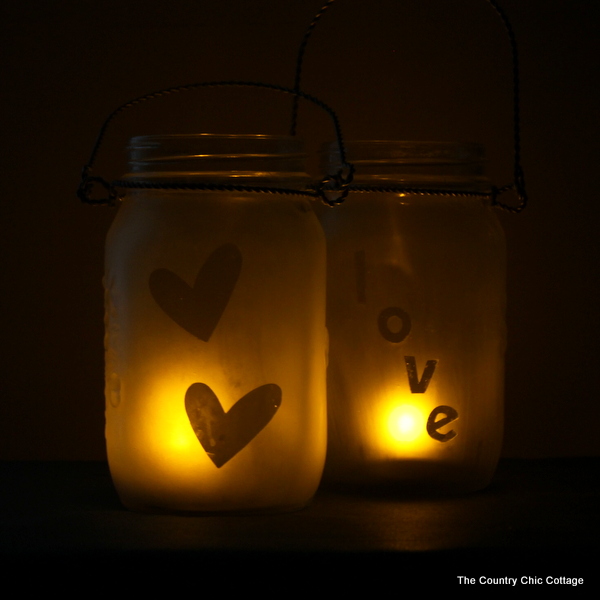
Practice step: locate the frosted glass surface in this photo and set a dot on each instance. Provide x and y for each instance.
(416, 302)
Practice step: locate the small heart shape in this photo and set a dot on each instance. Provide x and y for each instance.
(223, 434)
(198, 309)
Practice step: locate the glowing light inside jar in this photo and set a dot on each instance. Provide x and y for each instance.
(405, 423)
(402, 426)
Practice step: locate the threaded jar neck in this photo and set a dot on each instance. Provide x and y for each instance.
(244, 159)
(437, 165)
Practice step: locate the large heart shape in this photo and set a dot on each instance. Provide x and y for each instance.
(198, 309)
(223, 434)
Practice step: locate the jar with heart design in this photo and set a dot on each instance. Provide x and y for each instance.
(416, 301)
(215, 328)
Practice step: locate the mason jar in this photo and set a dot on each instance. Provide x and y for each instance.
(215, 328)
(416, 317)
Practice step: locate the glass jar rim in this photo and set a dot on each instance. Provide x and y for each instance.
(425, 165)
(244, 159)
(407, 152)
(161, 147)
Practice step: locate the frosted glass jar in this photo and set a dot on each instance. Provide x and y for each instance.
(215, 330)
(416, 317)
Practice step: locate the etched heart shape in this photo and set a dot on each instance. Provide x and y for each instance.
(223, 434)
(198, 309)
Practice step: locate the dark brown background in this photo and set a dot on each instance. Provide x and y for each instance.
(404, 69)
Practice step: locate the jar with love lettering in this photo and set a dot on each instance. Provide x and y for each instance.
(416, 303)
(216, 344)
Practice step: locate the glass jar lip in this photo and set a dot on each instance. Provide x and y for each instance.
(422, 165)
(252, 159)
(184, 146)
(407, 152)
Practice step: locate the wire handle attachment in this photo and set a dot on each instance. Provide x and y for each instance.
(332, 190)
(518, 184)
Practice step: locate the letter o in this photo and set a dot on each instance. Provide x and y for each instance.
(382, 323)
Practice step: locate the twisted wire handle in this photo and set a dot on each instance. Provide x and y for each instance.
(332, 190)
(518, 184)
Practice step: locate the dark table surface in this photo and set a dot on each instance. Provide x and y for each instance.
(538, 518)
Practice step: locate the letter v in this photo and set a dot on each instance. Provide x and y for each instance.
(419, 386)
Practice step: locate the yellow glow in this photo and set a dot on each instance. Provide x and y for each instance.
(403, 429)
(182, 441)
(405, 422)
(164, 431)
